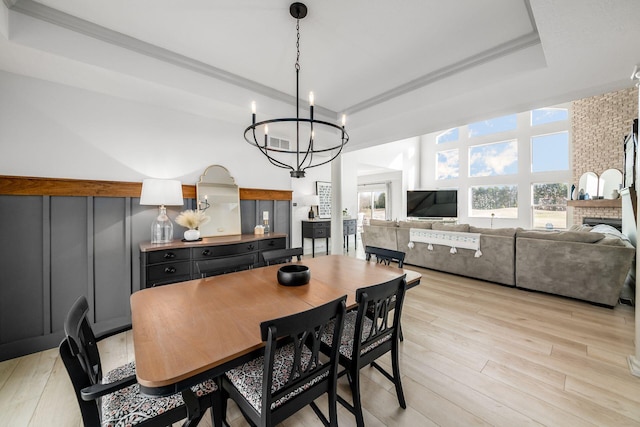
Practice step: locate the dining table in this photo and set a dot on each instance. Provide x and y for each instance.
(187, 332)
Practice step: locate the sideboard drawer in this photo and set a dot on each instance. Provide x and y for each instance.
(168, 272)
(168, 255)
(224, 250)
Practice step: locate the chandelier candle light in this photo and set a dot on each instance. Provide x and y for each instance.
(304, 157)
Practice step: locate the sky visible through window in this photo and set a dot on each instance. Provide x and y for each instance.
(448, 164)
(448, 136)
(548, 115)
(499, 124)
(500, 158)
(550, 152)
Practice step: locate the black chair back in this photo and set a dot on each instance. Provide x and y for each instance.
(375, 303)
(303, 330)
(385, 256)
(213, 267)
(279, 256)
(79, 353)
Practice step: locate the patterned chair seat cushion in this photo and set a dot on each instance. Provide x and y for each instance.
(348, 332)
(247, 378)
(128, 407)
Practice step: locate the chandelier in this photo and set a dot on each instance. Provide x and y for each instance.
(308, 152)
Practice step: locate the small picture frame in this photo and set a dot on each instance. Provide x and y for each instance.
(323, 190)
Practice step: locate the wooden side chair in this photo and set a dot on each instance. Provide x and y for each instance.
(290, 375)
(367, 335)
(385, 256)
(279, 256)
(115, 399)
(214, 267)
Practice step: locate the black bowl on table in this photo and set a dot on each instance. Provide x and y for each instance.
(294, 275)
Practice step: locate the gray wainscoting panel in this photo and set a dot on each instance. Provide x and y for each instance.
(111, 259)
(69, 256)
(56, 249)
(21, 260)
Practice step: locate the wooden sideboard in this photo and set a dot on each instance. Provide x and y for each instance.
(165, 263)
(321, 229)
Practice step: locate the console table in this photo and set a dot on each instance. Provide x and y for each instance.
(164, 263)
(321, 228)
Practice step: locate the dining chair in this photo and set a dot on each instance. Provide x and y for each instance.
(376, 336)
(115, 399)
(279, 256)
(213, 267)
(384, 256)
(291, 374)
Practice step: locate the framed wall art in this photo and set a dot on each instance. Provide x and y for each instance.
(323, 190)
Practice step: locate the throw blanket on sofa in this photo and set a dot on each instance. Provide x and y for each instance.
(454, 239)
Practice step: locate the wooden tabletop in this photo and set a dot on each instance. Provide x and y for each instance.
(185, 330)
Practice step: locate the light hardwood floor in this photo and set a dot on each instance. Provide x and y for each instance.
(475, 353)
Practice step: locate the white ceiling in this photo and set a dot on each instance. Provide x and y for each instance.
(397, 68)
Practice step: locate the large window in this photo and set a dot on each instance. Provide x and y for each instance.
(510, 167)
(500, 158)
(499, 201)
(549, 205)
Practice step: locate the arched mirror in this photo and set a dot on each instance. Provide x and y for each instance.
(610, 180)
(219, 197)
(588, 185)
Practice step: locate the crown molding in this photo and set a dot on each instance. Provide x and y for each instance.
(487, 56)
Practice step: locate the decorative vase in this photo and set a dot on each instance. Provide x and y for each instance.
(192, 235)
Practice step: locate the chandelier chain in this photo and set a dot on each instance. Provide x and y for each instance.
(298, 45)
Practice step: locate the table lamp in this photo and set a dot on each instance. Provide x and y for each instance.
(161, 192)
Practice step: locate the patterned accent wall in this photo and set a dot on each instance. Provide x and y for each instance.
(599, 126)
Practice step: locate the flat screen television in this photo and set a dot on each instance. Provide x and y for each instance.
(432, 204)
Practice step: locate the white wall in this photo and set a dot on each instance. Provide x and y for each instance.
(52, 130)
(397, 162)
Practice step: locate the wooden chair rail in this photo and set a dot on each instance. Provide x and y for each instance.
(35, 186)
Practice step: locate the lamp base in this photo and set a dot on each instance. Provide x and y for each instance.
(311, 213)
(162, 228)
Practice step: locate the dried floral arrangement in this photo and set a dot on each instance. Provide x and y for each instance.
(192, 219)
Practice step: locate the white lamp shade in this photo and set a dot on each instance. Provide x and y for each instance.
(161, 192)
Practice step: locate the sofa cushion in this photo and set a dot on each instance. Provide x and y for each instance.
(382, 223)
(415, 224)
(464, 228)
(506, 232)
(564, 236)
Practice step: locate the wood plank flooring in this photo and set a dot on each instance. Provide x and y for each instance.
(474, 354)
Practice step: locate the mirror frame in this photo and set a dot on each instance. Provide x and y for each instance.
(219, 197)
(609, 180)
(588, 181)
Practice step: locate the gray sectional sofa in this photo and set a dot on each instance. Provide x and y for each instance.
(582, 264)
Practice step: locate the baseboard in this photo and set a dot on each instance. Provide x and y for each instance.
(634, 365)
